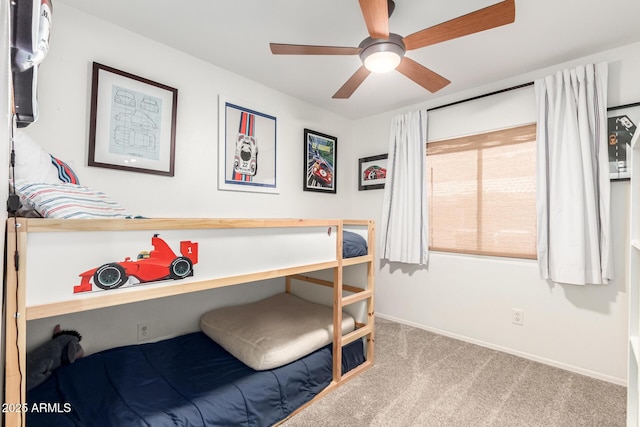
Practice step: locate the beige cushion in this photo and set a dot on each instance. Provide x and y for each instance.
(274, 331)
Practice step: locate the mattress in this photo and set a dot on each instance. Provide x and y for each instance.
(187, 380)
(274, 331)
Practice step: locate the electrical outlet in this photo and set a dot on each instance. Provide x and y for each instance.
(144, 331)
(517, 316)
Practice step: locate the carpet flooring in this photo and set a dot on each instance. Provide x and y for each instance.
(424, 379)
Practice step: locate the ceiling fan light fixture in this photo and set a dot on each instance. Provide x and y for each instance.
(382, 55)
(382, 62)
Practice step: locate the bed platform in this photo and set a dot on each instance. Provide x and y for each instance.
(196, 381)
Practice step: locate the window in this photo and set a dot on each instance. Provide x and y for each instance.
(482, 193)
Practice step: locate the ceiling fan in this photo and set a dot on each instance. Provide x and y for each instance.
(383, 51)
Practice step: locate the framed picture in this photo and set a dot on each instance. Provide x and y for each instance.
(247, 148)
(622, 123)
(320, 155)
(372, 172)
(133, 122)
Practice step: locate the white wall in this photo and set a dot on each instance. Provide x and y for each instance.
(77, 40)
(579, 328)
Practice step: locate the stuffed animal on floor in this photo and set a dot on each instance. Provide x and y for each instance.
(63, 348)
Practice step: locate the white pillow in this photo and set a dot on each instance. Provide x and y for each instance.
(274, 331)
(32, 162)
(68, 201)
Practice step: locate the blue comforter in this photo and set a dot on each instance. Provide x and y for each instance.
(185, 381)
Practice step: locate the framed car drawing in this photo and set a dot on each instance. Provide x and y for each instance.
(133, 122)
(622, 123)
(320, 156)
(247, 148)
(372, 172)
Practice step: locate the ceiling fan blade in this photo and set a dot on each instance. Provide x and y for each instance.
(499, 14)
(376, 16)
(352, 84)
(426, 78)
(301, 49)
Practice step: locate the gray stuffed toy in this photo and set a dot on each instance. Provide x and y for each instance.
(63, 348)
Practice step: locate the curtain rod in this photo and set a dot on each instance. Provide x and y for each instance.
(481, 96)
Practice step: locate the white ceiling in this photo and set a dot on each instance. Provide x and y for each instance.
(235, 35)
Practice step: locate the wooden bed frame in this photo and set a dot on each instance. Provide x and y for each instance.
(18, 311)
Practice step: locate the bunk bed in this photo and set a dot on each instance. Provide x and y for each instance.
(199, 370)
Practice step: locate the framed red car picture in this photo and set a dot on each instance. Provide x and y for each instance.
(372, 172)
(320, 155)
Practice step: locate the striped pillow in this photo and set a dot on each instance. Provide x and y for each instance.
(68, 201)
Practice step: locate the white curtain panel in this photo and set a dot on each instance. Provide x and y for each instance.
(404, 227)
(574, 232)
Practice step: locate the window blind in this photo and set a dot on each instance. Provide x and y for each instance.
(482, 193)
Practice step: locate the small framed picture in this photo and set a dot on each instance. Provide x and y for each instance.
(622, 123)
(372, 172)
(320, 156)
(133, 122)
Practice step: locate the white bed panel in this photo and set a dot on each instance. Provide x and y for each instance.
(55, 260)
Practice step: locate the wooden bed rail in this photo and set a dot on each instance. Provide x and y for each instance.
(320, 282)
(55, 225)
(18, 312)
(15, 328)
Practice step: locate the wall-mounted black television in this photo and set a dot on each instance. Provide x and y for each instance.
(30, 28)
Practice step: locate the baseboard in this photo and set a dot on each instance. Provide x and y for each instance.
(550, 362)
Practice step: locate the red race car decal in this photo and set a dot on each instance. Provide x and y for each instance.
(159, 264)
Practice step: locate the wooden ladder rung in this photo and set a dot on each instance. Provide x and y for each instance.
(324, 282)
(358, 333)
(362, 295)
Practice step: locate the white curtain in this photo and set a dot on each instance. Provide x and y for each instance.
(404, 227)
(574, 233)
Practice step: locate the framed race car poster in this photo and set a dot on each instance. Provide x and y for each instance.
(622, 123)
(320, 155)
(247, 148)
(372, 172)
